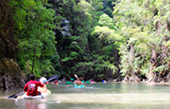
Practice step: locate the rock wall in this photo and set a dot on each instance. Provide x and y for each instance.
(11, 77)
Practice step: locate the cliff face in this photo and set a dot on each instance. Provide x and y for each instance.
(11, 76)
(10, 73)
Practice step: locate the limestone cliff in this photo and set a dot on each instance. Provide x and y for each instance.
(10, 73)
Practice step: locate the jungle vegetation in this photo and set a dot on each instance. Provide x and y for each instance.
(95, 39)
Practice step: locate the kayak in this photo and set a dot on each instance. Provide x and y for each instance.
(78, 86)
(43, 95)
(69, 82)
(88, 82)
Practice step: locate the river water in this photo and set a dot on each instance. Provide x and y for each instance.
(95, 96)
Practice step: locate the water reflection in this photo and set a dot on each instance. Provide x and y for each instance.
(34, 104)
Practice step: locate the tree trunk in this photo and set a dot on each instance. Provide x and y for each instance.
(33, 61)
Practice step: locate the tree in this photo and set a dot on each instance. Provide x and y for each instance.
(145, 52)
(34, 26)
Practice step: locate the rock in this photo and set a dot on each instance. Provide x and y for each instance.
(11, 77)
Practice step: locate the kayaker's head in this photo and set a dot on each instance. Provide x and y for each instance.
(32, 77)
(43, 80)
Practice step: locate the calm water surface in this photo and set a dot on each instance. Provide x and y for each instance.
(95, 96)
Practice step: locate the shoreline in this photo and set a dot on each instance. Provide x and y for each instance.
(161, 84)
(144, 82)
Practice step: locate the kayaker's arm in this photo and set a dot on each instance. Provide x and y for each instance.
(25, 87)
(40, 84)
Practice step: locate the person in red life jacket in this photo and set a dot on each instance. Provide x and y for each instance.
(44, 81)
(31, 87)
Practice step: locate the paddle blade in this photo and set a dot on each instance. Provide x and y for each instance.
(12, 96)
(15, 95)
(75, 75)
(53, 78)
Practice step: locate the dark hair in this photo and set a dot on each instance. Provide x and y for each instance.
(32, 77)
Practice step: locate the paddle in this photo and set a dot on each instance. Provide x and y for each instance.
(55, 77)
(76, 76)
(16, 95)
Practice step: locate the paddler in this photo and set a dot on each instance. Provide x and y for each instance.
(55, 82)
(78, 82)
(31, 87)
(44, 81)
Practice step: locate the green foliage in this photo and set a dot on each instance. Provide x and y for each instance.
(34, 26)
(105, 20)
(97, 10)
(84, 6)
(108, 7)
(106, 33)
(161, 68)
(74, 48)
(73, 56)
(91, 37)
(141, 25)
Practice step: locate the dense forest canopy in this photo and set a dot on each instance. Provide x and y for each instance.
(95, 39)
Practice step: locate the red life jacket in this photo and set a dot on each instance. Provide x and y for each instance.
(32, 87)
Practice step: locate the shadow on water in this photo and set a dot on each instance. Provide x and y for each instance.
(96, 96)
